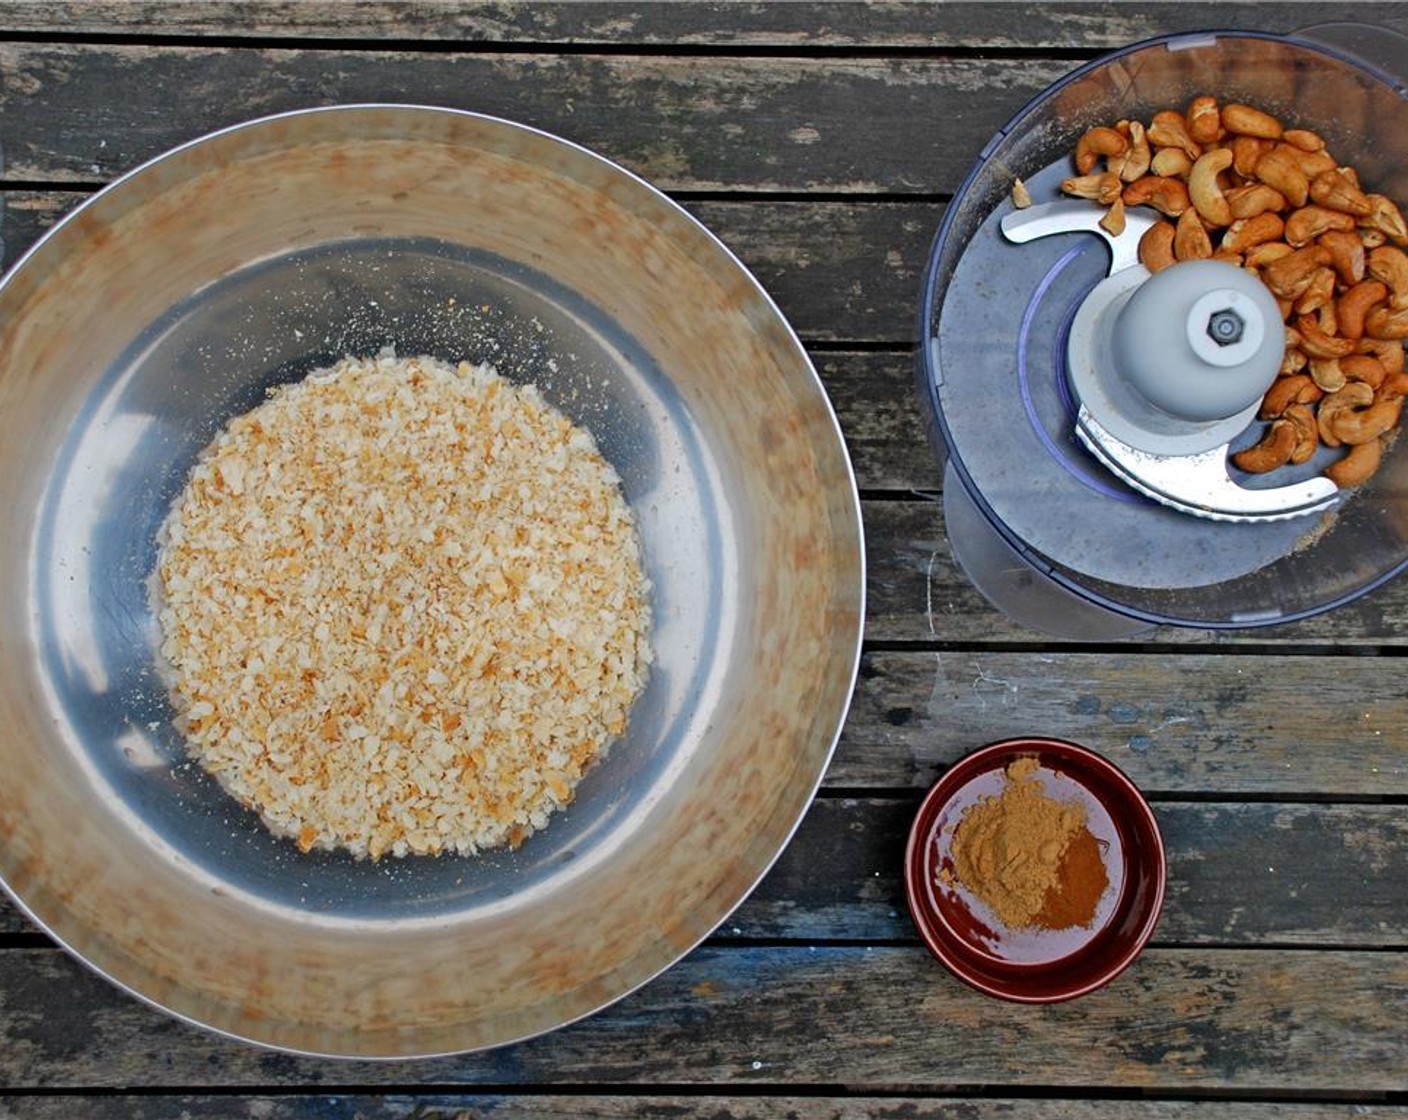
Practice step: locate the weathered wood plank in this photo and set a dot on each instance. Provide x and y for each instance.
(1239, 874)
(841, 272)
(1177, 723)
(75, 112)
(773, 24)
(1238, 1020)
(534, 1106)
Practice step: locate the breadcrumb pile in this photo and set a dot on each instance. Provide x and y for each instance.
(402, 607)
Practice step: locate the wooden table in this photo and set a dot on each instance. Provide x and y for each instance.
(821, 143)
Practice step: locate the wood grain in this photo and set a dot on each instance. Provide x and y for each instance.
(1179, 721)
(1239, 874)
(863, 1017)
(856, 125)
(543, 1106)
(838, 23)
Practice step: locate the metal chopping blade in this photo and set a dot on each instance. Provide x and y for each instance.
(1198, 482)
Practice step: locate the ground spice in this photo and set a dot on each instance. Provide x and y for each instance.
(1028, 856)
(1080, 882)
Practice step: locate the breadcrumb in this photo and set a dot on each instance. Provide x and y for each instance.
(402, 607)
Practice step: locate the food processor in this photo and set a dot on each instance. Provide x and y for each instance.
(1087, 410)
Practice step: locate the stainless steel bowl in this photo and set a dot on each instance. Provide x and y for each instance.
(169, 303)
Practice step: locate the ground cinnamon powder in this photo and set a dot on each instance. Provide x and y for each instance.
(1028, 856)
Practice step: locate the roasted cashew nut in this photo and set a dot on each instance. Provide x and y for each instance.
(1285, 391)
(1354, 306)
(1358, 466)
(1317, 343)
(1100, 141)
(1365, 368)
(1391, 266)
(1385, 217)
(1384, 322)
(1246, 121)
(1156, 247)
(1347, 256)
(1280, 171)
(1274, 450)
(1169, 130)
(1203, 191)
(1190, 238)
(1309, 222)
(1334, 190)
(1203, 120)
(1167, 196)
(1354, 395)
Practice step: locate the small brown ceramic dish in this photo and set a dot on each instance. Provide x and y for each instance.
(1037, 965)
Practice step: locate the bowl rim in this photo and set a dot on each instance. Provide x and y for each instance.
(933, 931)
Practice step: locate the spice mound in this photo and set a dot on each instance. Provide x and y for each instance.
(402, 608)
(1031, 858)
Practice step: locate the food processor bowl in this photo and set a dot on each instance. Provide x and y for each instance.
(1042, 527)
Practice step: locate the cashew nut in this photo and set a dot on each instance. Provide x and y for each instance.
(1169, 130)
(1393, 387)
(1360, 425)
(1310, 163)
(1347, 256)
(1326, 319)
(1291, 274)
(1363, 367)
(1203, 191)
(1327, 374)
(1279, 170)
(1307, 433)
(1298, 388)
(1259, 256)
(1204, 121)
(1303, 139)
(1293, 360)
(1137, 159)
(1354, 395)
(1318, 343)
(1334, 190)
(1388, 351)
(1385, 217)
(1156, 247)
(1274, 450)
(1391, 266)
(1251, 199)
(1356, 467)
(1190, 238)
(1102, 187)
(1246, 121)
(1246, 150)
(1385, 322)
(1100, 141)
(1246, 233)
(1354, 306)
(1309, 222)
(1170, 163)
(1113, 221)
(1167, 196)
(1319, 292)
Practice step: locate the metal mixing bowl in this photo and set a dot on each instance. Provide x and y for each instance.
(169, 303)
